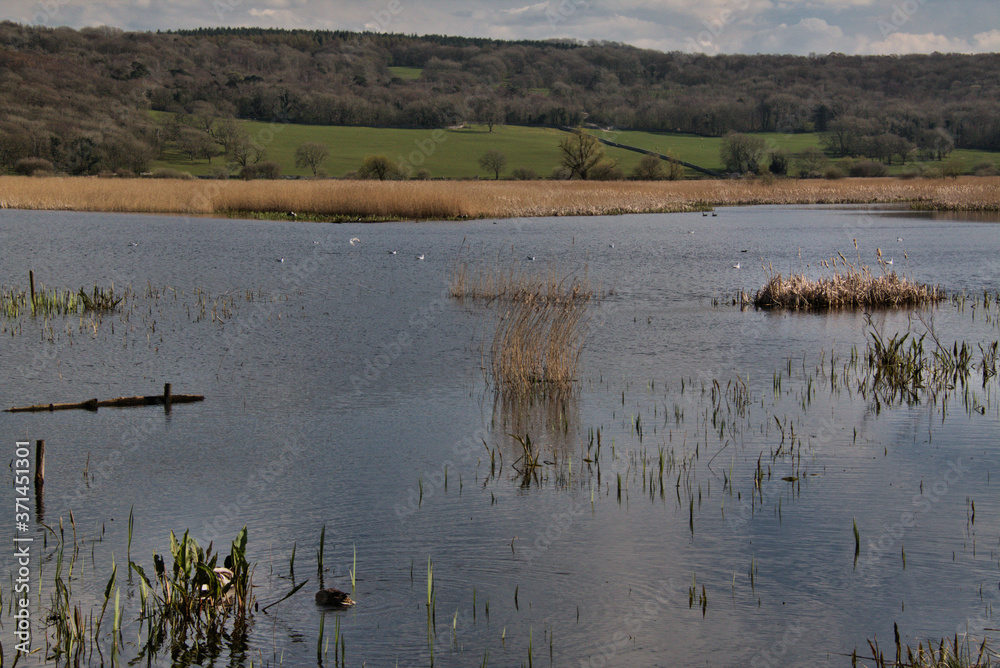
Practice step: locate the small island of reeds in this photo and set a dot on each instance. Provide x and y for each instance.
(852, 285)
(540, 325)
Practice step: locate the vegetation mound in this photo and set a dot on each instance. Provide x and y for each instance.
(850, 286)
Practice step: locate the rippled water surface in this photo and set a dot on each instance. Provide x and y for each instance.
(345, 388)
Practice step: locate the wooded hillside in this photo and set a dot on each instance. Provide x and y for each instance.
(79, 99)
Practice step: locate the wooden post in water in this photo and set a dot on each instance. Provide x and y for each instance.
(39, 463)
(166, 396)
(31, 282)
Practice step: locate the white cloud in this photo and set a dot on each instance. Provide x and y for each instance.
(987, 41)
(901, 42)
(809, 34)
(536, 8)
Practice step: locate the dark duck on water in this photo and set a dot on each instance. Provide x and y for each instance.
(333, 598)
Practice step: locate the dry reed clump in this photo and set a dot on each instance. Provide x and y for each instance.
(424, 200)
(540, 327)
(851, 286)
(537, 345)
(511, 282)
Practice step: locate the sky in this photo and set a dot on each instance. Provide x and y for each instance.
(694, 26)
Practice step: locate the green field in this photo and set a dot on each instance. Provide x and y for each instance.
(406, 73)
(701, 151)
(455, 153)
(443, 153)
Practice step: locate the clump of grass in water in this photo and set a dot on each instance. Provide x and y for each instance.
(100, 299)
(536, 346)
(948, 654)
(55, 302)
(899, 368)
(852, 285)
(71, 629)
(196, 597)
(540, 329)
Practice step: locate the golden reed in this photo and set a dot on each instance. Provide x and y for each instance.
(422, 200)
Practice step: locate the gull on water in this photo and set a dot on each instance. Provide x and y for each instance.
(392, 252)
(354, 240)
(736, 266)
(420, 257)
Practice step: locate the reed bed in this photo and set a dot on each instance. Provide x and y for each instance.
(537, 345)
(852, 285)
(340, 199)
(540, 326)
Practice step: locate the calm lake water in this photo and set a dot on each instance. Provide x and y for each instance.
(345, 388)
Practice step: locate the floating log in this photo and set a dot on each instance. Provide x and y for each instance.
(119, 402)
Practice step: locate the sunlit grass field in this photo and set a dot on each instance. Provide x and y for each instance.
(455, 153)
(442, 153)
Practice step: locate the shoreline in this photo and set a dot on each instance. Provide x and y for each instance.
(376, 201)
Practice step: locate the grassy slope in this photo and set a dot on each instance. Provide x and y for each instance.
(702, 151)
(456, 153)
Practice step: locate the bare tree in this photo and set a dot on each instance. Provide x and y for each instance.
(650, 168)
(311, 155)
(493, 161)
(488, 111)
(243, 150)
(379, 167)
(581, 153)
(197, 144)
(675, 170)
